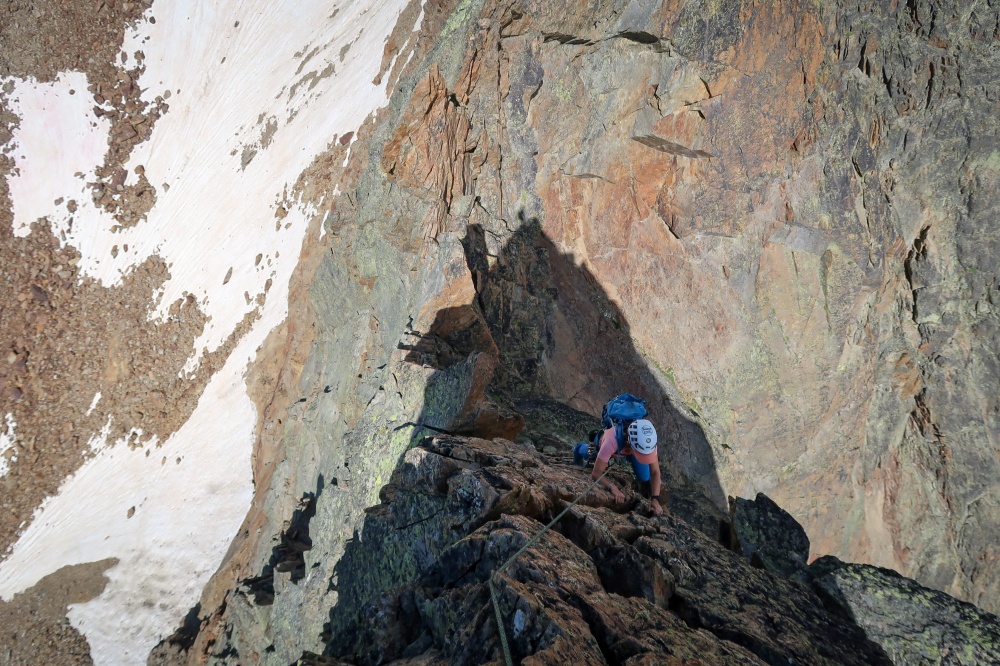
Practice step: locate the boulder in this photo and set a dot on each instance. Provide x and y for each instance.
(911, 623)
(552, 423)
(768, 536)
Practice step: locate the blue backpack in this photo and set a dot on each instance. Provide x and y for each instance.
(620, 412)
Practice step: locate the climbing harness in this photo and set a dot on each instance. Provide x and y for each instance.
(493, 591)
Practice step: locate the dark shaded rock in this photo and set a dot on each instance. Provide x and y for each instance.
(287, 556)
(768, 535)
(628, 572)
(608, 584)
(454, 395)
(552, 423)
(420, 516)
(913, 624)
(769, 615)
(554, 606)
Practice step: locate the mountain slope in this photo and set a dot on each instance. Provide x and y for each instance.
(609, 584)
(289, 243)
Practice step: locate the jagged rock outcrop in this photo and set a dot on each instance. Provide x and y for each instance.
(767, 535)
(554, 427)
(913, 624)
(609, 584)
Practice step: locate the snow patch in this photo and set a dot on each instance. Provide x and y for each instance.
(7, 440)
(93, 403)
(228, 65)
(100, 440)
(184, 520)
(56, 147)
(212, 208)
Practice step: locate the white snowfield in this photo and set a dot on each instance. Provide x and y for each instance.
(231, 67)
(6, 443)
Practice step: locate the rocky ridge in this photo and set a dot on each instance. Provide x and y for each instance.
(609, 584)
(612, 584)
(776, 222)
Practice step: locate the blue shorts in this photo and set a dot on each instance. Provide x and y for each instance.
(641, 470)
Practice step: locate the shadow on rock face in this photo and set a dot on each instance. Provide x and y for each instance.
(288, 555)
(540, 335)
(540, 329)
(561, 337)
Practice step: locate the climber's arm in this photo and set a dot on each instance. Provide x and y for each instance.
(607, 448)
(599, 467)
(655, 486)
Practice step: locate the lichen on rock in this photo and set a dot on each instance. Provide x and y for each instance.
(912, 623)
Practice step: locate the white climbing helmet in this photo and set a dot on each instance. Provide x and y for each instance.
(642, 436)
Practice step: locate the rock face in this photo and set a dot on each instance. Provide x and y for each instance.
(774, 222)
(768, 536)
(913, 624)
(608, 584)
(766, 248)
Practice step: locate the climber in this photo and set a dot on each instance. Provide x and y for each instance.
(640, 450)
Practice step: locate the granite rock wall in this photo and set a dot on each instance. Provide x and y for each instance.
(776, 222)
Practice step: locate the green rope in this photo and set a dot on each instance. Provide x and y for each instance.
(493, 591)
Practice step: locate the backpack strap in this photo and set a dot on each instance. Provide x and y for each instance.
(621, 430)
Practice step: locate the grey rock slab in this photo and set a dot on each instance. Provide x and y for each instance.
(912, 623)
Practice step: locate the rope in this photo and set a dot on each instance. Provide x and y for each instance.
(531, 542)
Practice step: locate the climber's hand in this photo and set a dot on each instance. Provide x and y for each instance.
(657, 509)
(618, 495)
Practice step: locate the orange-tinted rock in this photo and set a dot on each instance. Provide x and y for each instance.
(775, 222)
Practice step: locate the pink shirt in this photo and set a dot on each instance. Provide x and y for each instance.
(609, 446)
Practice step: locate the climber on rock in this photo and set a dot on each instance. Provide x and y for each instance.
(640, 450)
(626, 434)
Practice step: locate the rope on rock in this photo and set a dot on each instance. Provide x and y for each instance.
(531, 542)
